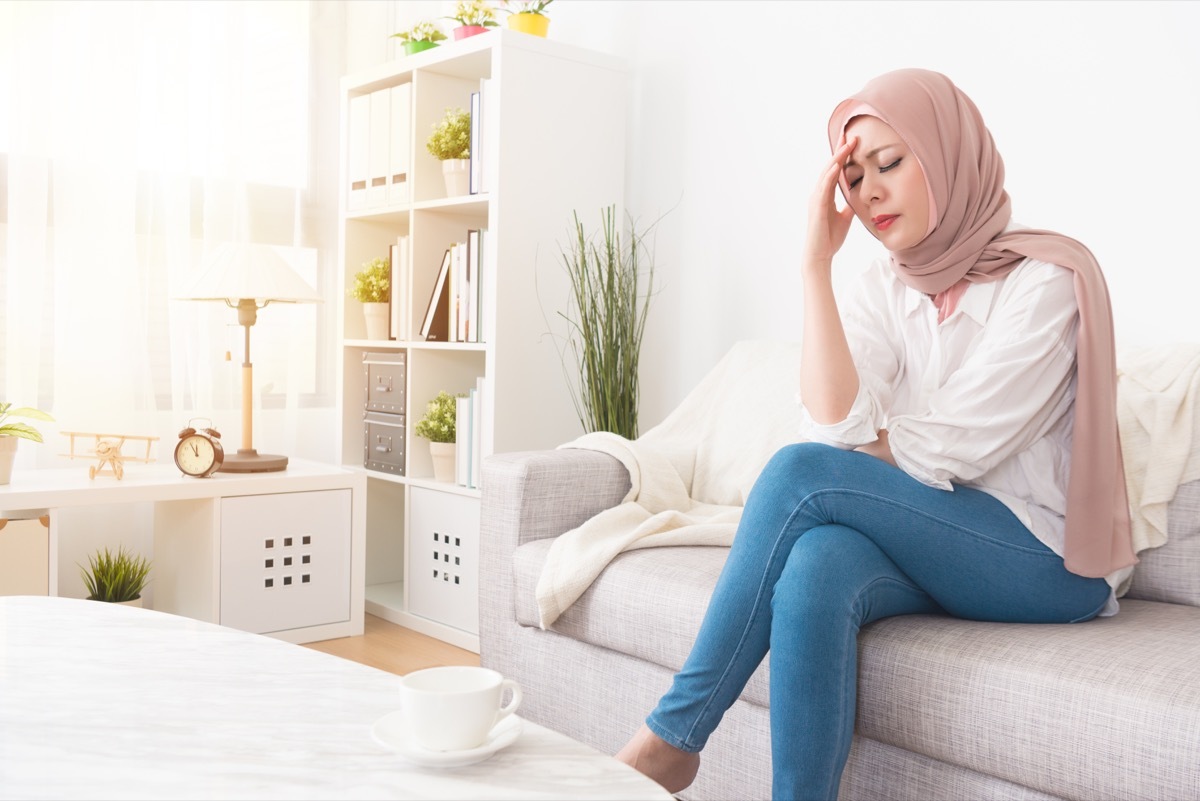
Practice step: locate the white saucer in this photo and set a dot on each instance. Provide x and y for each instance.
(390, 732)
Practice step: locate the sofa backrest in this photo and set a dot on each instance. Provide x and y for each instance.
(1171, 573)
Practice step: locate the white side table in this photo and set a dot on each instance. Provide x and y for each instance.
(274, 553)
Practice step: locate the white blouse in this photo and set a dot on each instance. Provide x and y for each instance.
(985, 399)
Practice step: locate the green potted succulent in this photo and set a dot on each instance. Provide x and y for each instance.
(421, 36)
(116, 578)
(528, 16)
(12, 433)
(372, 287)
(438, 425)
(473, 17)
(450, 143)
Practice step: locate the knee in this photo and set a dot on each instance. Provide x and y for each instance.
(819, 577)
(805, 464)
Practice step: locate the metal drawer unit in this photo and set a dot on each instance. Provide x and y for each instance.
(383, 413)
(383, 442)
(385, 376)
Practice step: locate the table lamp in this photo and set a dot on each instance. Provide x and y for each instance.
(248, 277)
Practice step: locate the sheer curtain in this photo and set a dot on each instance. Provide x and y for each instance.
(133, 136)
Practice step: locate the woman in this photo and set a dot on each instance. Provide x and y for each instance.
(962, 457)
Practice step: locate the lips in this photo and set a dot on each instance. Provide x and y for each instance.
(884, 221)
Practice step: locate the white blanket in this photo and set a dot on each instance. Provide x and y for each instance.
(691, 474)
(1159, 415)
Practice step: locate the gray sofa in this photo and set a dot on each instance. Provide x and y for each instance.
(947, 709)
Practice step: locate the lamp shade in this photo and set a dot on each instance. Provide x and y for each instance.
(248, 271)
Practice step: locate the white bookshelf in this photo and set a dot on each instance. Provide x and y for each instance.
(556, 137)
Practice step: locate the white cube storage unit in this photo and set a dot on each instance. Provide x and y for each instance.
(443, 549)
(285, 560)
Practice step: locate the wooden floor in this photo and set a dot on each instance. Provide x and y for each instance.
(395, 649)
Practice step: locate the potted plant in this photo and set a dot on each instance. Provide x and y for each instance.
(472, 16)
(421, 36)
(12, 433)
(450, 143)
(527, 16)
(372, 285)
(611, 285)
(438, 426)
(117, 579)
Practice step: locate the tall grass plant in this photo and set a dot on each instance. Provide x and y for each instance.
(612, 281)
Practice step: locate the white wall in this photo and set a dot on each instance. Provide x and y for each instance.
(1093, 106)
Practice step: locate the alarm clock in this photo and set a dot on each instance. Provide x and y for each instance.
(199, 453)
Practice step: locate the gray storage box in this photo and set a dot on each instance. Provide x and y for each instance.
(385, 377)
(383, 442)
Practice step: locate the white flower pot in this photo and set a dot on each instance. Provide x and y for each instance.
(8, 453)
(376, 317)
(457, 173)
(443, 460)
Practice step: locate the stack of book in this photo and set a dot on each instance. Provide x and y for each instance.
(468, 445)
(455, 309)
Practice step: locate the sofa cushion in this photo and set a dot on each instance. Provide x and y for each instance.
(1001, 699)
(1104, 709)
(647, 603)
(1171, 573)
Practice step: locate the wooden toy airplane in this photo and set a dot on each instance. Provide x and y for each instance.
(107, 450)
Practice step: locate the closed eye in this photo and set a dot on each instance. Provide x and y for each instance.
(885, 168)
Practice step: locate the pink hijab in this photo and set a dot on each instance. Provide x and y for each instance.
(969, 211)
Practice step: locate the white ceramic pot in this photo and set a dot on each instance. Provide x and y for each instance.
(8, 453)
(376, 316)
(443, 460)
(457, 173)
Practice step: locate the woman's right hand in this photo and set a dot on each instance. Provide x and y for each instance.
(827, 226)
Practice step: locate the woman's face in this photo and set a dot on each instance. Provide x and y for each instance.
(886, 184)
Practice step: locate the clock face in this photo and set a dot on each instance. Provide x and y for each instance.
(195, 455)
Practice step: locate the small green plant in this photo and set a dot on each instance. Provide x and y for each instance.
(451, 137)
(438, 424)
(474, 12)
(421, 32)
(23, 430)
(373, 282)
(526, 6)
(115, 578)
(611, 285)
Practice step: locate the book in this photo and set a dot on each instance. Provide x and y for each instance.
(476, 159)
(462, 440)
(400, 145)
(377, 148)
(401, 304)
(486, 160)
(472, 299)
(476, 433)
(435, 327)
(358, 147)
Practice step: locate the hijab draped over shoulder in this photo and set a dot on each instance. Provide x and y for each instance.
(967, 243)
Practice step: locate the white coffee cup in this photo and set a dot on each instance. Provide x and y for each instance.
(454, 708)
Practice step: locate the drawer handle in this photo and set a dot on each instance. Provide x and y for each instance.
(380, 447)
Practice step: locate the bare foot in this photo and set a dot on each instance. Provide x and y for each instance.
(649, 754)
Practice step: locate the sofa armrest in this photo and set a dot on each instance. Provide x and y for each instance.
(533, 495)
(526, 496)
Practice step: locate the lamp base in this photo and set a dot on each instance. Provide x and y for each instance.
(251, 461)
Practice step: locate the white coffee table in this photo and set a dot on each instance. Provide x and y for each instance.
(104, 701)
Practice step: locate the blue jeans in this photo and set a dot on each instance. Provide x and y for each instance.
(830, 541)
